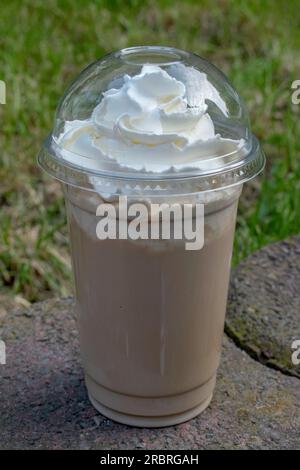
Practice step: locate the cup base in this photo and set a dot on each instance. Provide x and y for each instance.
(150, 411)
(150, 421)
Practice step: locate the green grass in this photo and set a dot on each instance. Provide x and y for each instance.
(43, 47)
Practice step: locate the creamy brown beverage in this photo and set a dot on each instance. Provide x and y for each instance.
(151, 315)
(154, 125)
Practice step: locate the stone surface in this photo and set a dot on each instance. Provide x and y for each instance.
(263, 314)
(44, 403)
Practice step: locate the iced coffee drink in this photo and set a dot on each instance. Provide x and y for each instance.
(155, 126)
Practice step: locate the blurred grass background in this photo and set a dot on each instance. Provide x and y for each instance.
(45, 44)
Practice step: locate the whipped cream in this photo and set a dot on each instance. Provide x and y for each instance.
(156, 122)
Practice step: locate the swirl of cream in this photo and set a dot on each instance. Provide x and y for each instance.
(154, 122)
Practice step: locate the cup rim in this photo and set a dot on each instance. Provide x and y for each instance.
(63, 170)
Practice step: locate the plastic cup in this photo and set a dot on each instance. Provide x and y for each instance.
(150, 312)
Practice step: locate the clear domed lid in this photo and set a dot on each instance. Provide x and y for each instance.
(152, 114)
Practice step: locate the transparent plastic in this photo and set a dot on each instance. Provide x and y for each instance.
(150, 313)
(230, 120)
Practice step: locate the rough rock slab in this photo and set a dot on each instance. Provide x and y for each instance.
(44, 403)
(263, 314)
